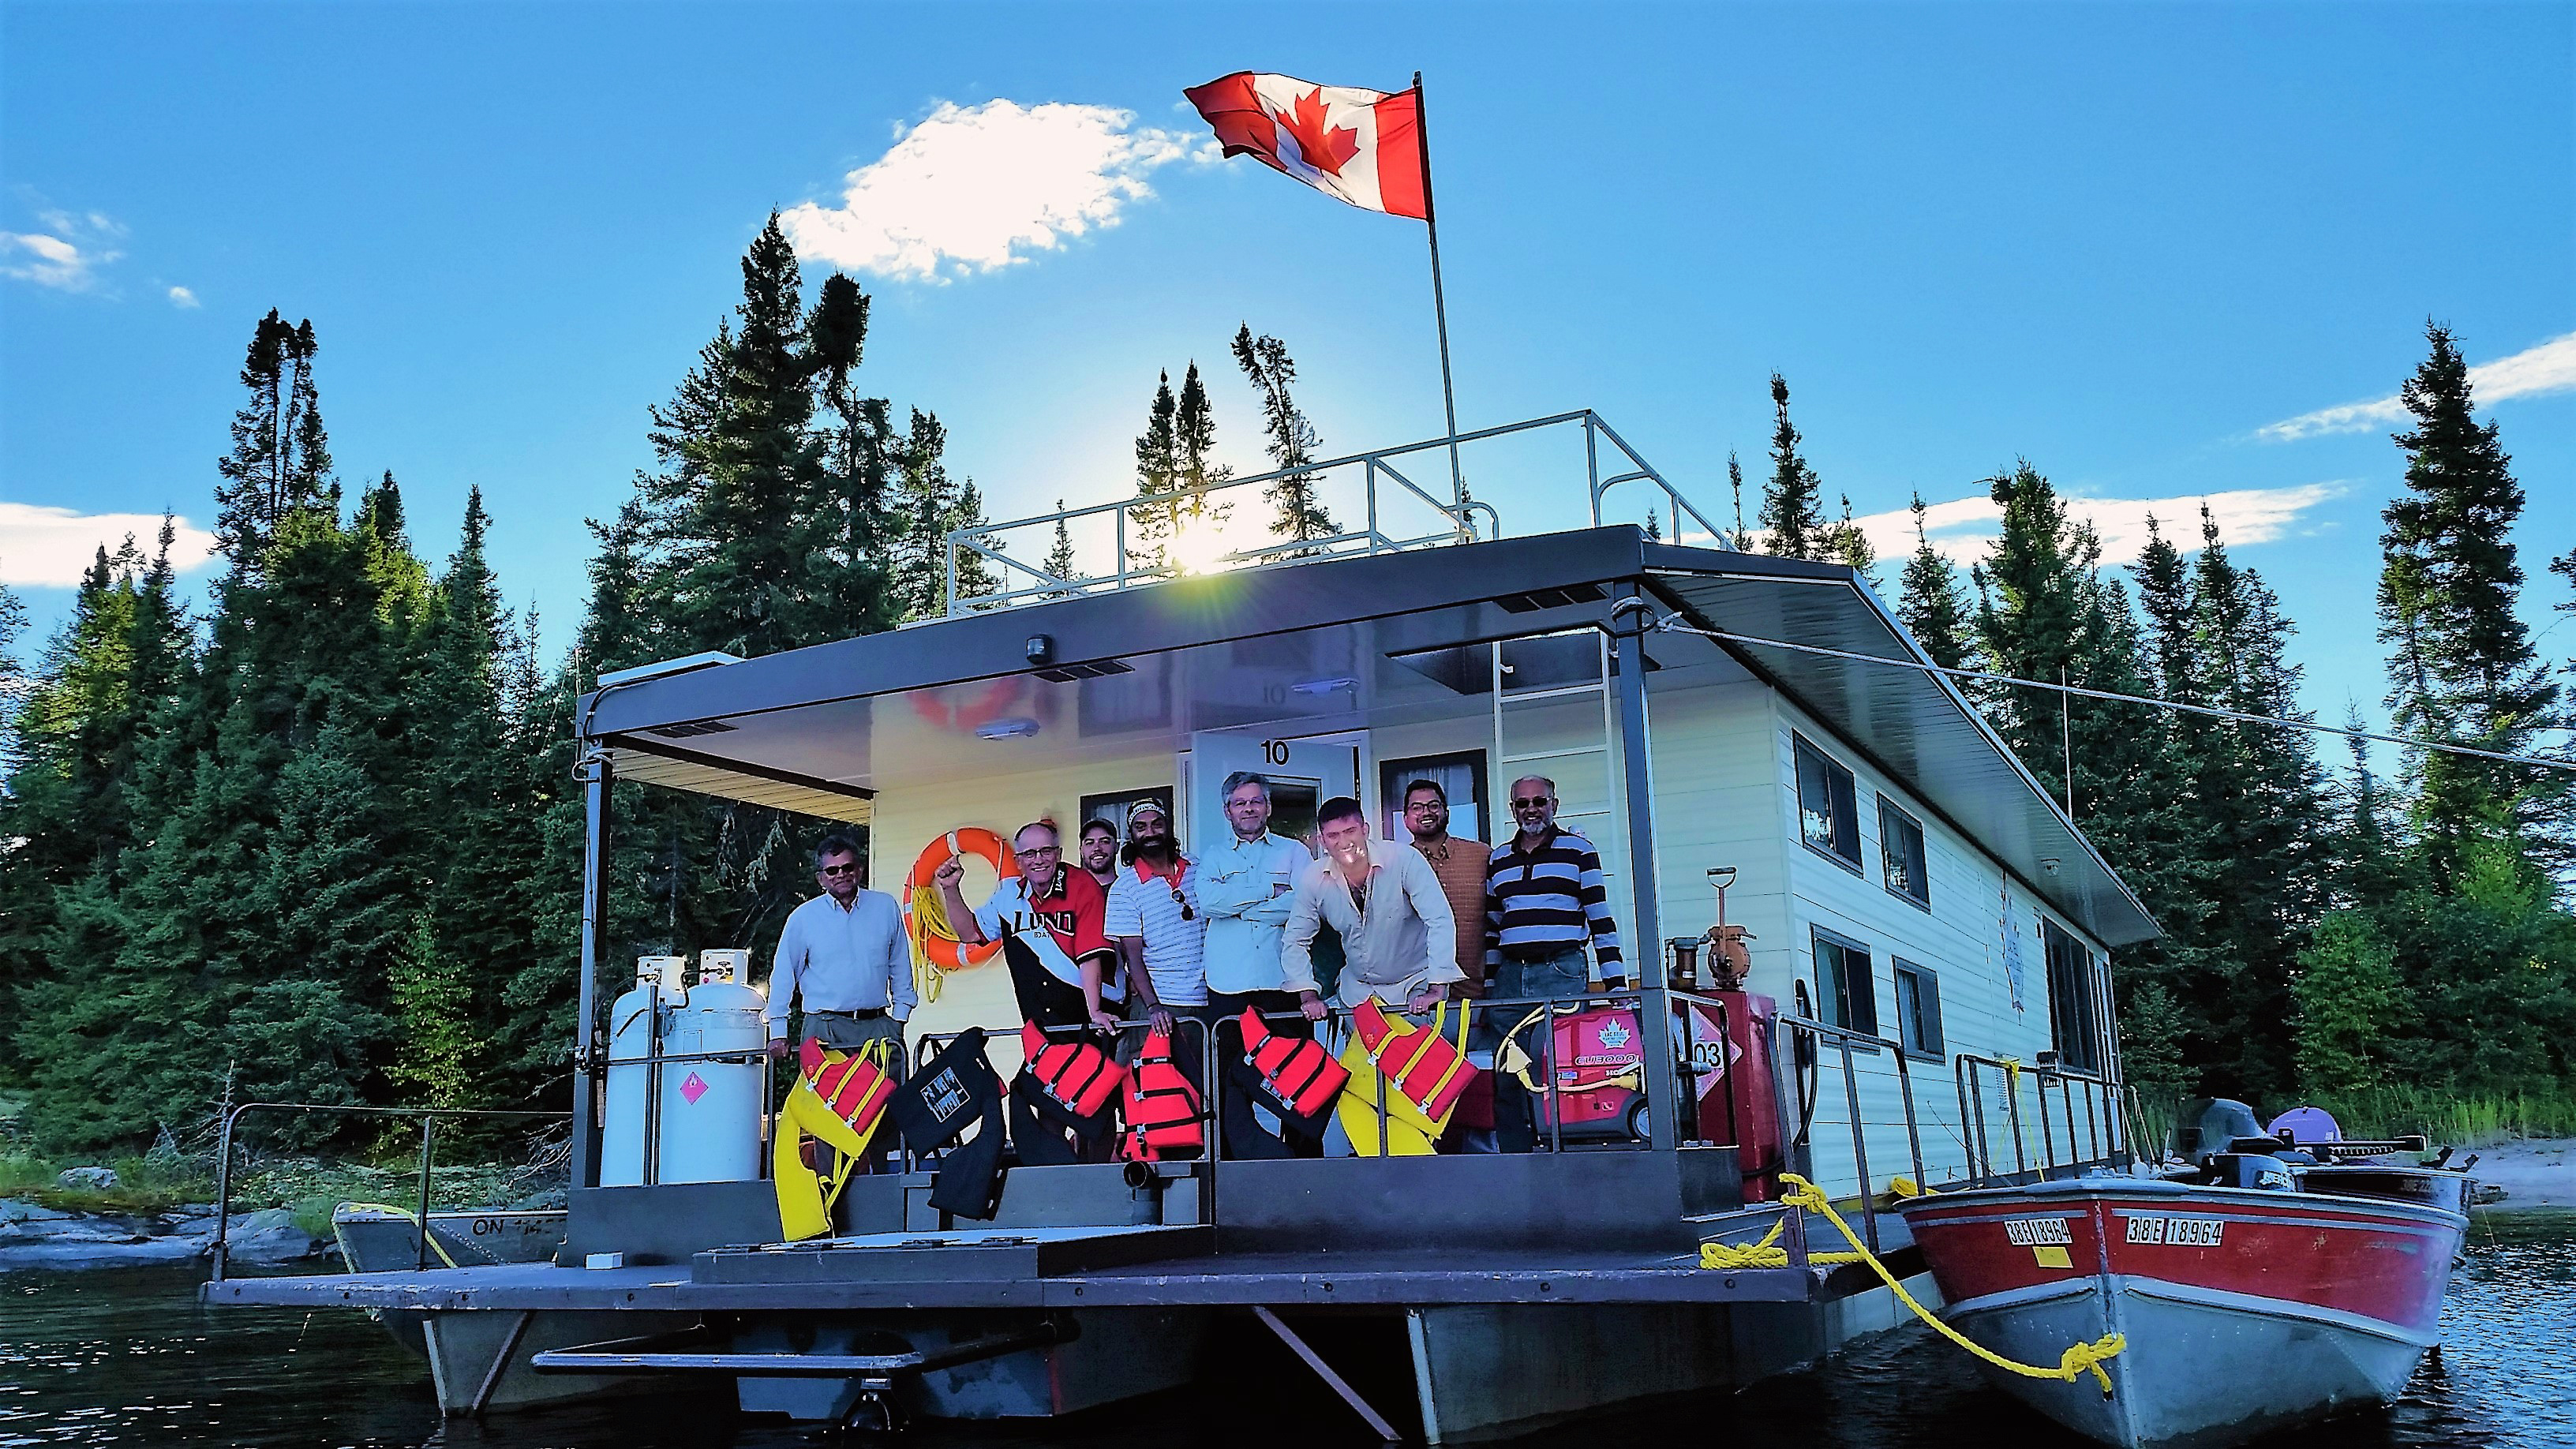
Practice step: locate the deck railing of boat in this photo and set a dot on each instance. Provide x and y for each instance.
(1380, 480)
(429, 1118)
(2109, 1135)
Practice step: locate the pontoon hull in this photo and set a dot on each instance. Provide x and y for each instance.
(2241, 1310)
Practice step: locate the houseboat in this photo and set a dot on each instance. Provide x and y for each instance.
(1927, 996)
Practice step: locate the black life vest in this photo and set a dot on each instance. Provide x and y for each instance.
(953, 1091)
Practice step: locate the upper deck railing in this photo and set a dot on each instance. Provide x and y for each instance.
(1397, 513)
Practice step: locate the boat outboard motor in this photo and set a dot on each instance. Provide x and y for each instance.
(2231, 1149)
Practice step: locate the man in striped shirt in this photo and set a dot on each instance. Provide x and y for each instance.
(1544, 900)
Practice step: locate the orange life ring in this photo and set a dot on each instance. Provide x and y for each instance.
(946, 711)
(943, 951)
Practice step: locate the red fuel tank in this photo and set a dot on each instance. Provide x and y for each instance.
(1739, 1094)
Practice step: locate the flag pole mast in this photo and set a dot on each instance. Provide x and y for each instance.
(1439, 304)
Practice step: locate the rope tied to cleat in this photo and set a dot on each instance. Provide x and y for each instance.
(1802, 1195)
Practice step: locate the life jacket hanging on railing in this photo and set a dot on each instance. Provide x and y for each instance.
(837, 1104)
(1064, 1102)
(1296, 1074)
(954, 1090)
(1419, 1071)
(1164, 1117)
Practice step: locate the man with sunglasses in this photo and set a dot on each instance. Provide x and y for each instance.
(1048, 919)
(844, 953)
(1153, 916)
(1545, 900)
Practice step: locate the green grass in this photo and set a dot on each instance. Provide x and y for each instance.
(2445, 1118)
(309, 1186)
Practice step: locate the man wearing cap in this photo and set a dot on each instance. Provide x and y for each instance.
(1153, 916)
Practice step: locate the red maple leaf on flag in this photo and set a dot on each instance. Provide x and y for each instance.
(1323, 149)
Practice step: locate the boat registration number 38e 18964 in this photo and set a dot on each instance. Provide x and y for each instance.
(2177, 1232)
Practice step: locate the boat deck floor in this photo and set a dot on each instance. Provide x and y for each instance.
(1424, 1277)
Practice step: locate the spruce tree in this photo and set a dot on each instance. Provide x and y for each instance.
(1844, 542)
(927, 504)
(1791, 512)
(1928, 599)
(1299, 513)
(2462, 666)
(1743, 540)
(1059, 559)
(281, 458)
(1158, 466)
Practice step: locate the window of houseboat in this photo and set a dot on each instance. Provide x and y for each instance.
(2074, 1002)
(1843, 985)
(1900, 854)
(1918, 1010)
(1828, 808)
(1460, 776)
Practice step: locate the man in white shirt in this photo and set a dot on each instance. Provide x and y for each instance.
(1399, 937)
(1153, 917)
(845, 955)
(1243, 890)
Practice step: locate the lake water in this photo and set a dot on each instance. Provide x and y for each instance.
(130, 1358)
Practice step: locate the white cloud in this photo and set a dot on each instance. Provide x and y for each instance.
(44, 547)
(1965, 529)
(66, 255)
(2547, 368)
(182, 298)
(976, 188)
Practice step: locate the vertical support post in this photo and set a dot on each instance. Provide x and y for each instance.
(1636, 773)
(596, 776)
(1439, 303)
(428, 1127)
(1592, 468)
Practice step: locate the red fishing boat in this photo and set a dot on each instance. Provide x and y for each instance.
(2265, 1284)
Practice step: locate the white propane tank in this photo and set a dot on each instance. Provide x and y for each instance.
(634, 1026)
(711, 1108)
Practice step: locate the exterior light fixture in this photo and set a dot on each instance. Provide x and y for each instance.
(1040, 648)
(1018, 727)
(2048, 863)
(1318, 688)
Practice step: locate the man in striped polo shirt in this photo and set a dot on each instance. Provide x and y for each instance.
(1544, 899)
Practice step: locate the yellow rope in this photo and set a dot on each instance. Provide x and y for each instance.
(340, 1235)
(2078, 1359)
(2012, 1074)
(927, 919)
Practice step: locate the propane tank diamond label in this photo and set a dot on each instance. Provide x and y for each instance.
(694, 1088)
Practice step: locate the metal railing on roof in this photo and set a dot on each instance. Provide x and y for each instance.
(1023, 582)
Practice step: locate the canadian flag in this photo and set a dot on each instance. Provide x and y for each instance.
(1362, 146)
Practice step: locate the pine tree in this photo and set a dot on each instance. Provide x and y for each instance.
(1743, 540)
(1300, 513)
(1059, 559)
(1928, 599)
(1844, 542)
(2462, 666)
(281, 458)
(1790, 509)
(1158, 466)
(927, 504)
(857, 461)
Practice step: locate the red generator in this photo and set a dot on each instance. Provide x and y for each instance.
(1600, 1092)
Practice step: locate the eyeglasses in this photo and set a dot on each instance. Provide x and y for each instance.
(1040, 853)
(850, 869)
(1533, 802)
(1419, 806)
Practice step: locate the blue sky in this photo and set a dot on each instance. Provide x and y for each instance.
(2122, 241)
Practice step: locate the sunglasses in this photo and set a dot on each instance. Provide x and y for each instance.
(1534, 802)
(1184, 903)
(838, 870)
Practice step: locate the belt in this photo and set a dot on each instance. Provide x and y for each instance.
(1541, 951)
(869, 1014)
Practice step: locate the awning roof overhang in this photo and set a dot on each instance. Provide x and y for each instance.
(796, 729)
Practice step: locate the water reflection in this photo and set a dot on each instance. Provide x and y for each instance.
(130, 1357)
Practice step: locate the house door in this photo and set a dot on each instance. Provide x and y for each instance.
(1303, 774)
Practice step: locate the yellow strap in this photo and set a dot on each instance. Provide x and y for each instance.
(2079, 1358)
(2012, 1074)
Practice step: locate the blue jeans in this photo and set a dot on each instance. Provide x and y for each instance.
(1563, 977)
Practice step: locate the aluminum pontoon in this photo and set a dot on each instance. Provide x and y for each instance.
(1933, 923)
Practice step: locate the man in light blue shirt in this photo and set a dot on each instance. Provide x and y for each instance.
(1244, 886)
(845, 954)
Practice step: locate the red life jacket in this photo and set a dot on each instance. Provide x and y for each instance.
(1079, 1076)
(1297, 1070)
(1162, 1107)
(1417, 1061)
(853, 1086)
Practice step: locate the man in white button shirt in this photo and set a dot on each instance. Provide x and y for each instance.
(1244, 885)
(844, 952)
(1399, 937)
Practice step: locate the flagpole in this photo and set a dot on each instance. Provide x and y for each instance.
(1439, 304)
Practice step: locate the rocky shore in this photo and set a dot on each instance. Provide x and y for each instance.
(2535, 1172)
(34, 1236)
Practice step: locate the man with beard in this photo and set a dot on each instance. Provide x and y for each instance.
(1153, 916)
(1399, 939)
(1100, 851)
